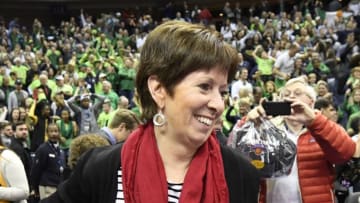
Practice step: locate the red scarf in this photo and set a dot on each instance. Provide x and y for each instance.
(144, 178)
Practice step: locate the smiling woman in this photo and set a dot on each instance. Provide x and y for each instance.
(183, 73)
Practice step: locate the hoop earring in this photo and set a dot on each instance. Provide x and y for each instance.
(159, 119)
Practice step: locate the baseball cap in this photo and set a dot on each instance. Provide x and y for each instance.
(17, 59)
(18, 82)
(102, 75)
(85, 96)
(107, 101)
(59, 77)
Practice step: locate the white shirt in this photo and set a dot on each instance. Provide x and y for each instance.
(226, 32)
(285, 63)
(354, 7)
(140, 41)
(13, 173)
(285, 189)
(174, 190)
(240, 84)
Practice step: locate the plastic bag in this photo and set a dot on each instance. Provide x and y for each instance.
(349, 173)
(267, 147)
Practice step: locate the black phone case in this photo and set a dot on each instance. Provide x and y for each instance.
(277, 108)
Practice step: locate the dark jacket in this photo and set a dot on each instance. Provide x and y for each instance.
(87, 185)
(48, 166)
(22, 150)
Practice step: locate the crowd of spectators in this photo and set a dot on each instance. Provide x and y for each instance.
(76, 73)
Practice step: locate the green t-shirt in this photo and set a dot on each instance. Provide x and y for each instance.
(127, 76)
(36, 83)
(68, 89)
(98, 88)
(103, 119)
(352, 108)
(323, 68)
(114, 79)
(264, 65)
(20, 72)
(53, 56)
(67, 132)
(113, 97)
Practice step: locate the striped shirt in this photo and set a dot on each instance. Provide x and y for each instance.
(174, 190)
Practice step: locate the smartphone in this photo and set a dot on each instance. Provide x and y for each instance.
(277, 108)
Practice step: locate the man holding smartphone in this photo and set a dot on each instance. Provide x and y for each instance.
(321, 143)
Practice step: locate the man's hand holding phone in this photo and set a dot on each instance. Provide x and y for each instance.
(301, 112)
(269, 109)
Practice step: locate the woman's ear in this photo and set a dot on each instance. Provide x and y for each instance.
(157, 91)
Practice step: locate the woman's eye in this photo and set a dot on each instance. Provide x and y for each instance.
(223, 93)
(205, 86)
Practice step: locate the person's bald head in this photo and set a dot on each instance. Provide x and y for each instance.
(123, 102)
(43, 79)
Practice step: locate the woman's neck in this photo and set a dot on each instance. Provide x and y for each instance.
(176, 157)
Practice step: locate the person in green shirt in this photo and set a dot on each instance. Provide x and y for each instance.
(353, 120)
(124, 37)
(109, 93)
(62, 87)
(98, 85)
(256, 25)
(319, 68)
(113, 77)
(354, 79)
(53, 54)
(269, 91)
(2, 74)
(68, 130)
(19, 69)
(104, 117)
(264, 63)
(99, 40)
(115, 61)
(122, 103)
(36, 83)
(353, 104)
(127, 75)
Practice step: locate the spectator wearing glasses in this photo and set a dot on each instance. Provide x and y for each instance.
(321, 143)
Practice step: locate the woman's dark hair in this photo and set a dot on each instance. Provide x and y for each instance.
(175, 49)
(11, 119)
(68, 111)
(322, 103)
(40, 106)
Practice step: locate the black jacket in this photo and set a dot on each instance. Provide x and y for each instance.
(48, 166)
(19, 147)
(94, 179)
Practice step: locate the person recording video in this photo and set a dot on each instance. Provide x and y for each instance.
(321, 143)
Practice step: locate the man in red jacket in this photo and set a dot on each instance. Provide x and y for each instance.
(321, 143)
